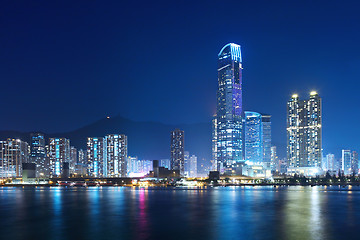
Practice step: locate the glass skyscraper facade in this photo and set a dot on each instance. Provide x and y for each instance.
(116, 155)
(304, 131)
(227, 135)
(13, 152)
(253, 137)
(257, 137)
(59, 153)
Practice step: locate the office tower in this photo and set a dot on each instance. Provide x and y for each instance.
(38, 154)
(304, 131)
(253, 137)
(96, 156)
(13, 152)
(116, 155)
(257, 138)
(355, 162)
(266, 137)
(214, 144)
(177, 151)
(346, 161)
(186, 163)
(59, 153)
(193, 166)
(228, 125)
(330, 163)
(165, 163)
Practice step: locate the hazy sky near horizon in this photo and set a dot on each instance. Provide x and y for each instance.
(65, 64)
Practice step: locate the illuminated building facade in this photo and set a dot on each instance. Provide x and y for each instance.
(304, 131)
(346, 161)
(228, 126)
(96, 157)
(73, 159)
(355, 162)
(330, 163)
(257, 138)
(13, 152)
(59, 153)
(116, 155)
(38, 154)
(192, 166)
(177, 160)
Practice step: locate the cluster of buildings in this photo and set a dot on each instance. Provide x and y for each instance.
(104, 157)
(241, 142)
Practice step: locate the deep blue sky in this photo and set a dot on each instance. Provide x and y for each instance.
(65, 64)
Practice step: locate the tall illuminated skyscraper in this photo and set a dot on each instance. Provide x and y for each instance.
(96, 156)
(38, 154)
(229, 114)
(304, 131)
(177, 160)
(59, 153)
(116, 155)
(346, 161)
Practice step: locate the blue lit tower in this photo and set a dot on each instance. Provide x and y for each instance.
(229, 127)
(253, 137)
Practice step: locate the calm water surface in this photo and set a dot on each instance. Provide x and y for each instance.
(176, 213)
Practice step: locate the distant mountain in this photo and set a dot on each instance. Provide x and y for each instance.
(147, 140)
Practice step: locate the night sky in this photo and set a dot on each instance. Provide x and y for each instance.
(66, 64)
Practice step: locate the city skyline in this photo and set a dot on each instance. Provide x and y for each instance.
(47, 54)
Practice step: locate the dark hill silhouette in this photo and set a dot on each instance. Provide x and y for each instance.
(147, 140)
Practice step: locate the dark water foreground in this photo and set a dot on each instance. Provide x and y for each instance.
(177, 213)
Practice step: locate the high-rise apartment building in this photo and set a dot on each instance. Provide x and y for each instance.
(177, 151)
(228, 126)
(73, 159)
(13, 152)
(38, 154)
(116, 155)
(330, 163)
(59, 153)
(96, 157)
(304, 131)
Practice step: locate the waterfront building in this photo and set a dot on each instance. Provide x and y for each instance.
(59, 153)
(82, 156)
(346, 161)
(257, 138)
(13, 153)
(96, 157)
(186, 163)
(177, 151)
(355, 162)
(193, 166)
(165, 163)
(275, 163)
(116, 155)
(227, 123)
(330, 163)
(266, 137)
(38, 154)
(304, 131)
(73, 159)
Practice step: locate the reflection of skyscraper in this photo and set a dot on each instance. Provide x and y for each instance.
(304, 131)
(177, 151)
(38, 154)
(116, 146)
(228, 131)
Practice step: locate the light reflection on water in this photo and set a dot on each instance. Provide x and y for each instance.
(178, 213)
